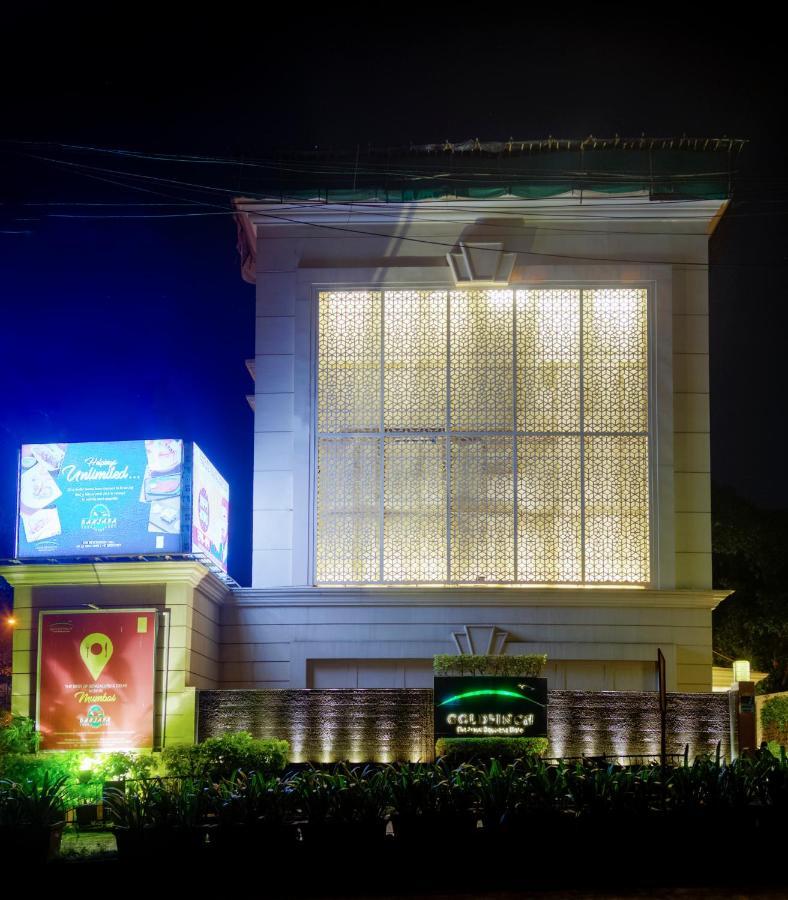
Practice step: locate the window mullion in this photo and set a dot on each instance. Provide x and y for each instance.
(447, 437)
(382, 434)
(582, 446)
(515, 468)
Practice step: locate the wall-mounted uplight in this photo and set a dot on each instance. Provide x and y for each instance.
(741, 670)
(10, 621)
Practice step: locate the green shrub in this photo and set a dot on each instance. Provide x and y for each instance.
(774, 719)
(34, 767)
(18, 734)
(118, 766)
(523, 666)
(80, 784)
(220, 757)
(33, 771)
(459, 750)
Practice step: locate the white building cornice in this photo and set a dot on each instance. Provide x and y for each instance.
(572, 208)
(591, 598)
(123, 573)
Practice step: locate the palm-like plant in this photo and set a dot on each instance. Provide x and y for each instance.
(38, 803)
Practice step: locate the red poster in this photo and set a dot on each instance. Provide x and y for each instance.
(95, 679)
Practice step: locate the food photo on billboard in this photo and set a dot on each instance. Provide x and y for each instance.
(102, 498)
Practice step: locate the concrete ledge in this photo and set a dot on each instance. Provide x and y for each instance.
(473, 595)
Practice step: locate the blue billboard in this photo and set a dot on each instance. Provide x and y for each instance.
(117, 498)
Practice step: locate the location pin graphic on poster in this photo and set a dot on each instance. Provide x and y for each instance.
(96, 652)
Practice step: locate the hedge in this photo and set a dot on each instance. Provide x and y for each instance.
(774, 719)
(523, 666)
(220, 757)
(459, 750)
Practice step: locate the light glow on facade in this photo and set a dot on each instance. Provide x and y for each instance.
(483, 436)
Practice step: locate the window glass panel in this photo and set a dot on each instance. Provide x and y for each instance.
(414, 510)
(548, 509)
(414, 342)
(482, 509)
(481, 339)
(615, 360)
(348, 509)
(349, 361)
(548, 360)
(616, 509)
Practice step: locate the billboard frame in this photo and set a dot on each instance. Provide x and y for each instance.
(186, 548)
(102, 610)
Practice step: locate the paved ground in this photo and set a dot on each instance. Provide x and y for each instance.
(656, 893)
(97, 849)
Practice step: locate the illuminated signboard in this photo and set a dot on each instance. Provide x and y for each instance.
(210, 510)
(490, 706)
(120, 498)
(96, 679)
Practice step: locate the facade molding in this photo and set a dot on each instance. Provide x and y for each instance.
(190, 573)
(572, 207)
(492, 596)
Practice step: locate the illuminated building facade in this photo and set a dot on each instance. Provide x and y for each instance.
(483, 422)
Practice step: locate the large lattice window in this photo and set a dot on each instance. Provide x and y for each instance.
(476, 436)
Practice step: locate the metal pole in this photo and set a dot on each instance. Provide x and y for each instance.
(663, 709)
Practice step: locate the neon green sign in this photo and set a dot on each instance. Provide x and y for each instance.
(487, 693)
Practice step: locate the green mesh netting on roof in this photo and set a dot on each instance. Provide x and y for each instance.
(487, 171)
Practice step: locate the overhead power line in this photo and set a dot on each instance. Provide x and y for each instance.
(89, 171)
(365, 204)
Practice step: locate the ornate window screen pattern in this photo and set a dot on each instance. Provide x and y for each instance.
(548, 361)
(482, 509)
(616, 507)
(496, 436)
(349, 362)
(414, 510)
(615, 373)
(414, 348)
(348, 508)
(480, 324)
(549, 509)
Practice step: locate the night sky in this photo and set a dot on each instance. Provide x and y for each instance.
(123, 311)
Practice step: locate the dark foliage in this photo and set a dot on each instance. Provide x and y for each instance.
(750, 558)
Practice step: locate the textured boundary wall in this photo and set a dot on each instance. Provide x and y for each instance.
(387, 725)
(324, 726)
(626, 723)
